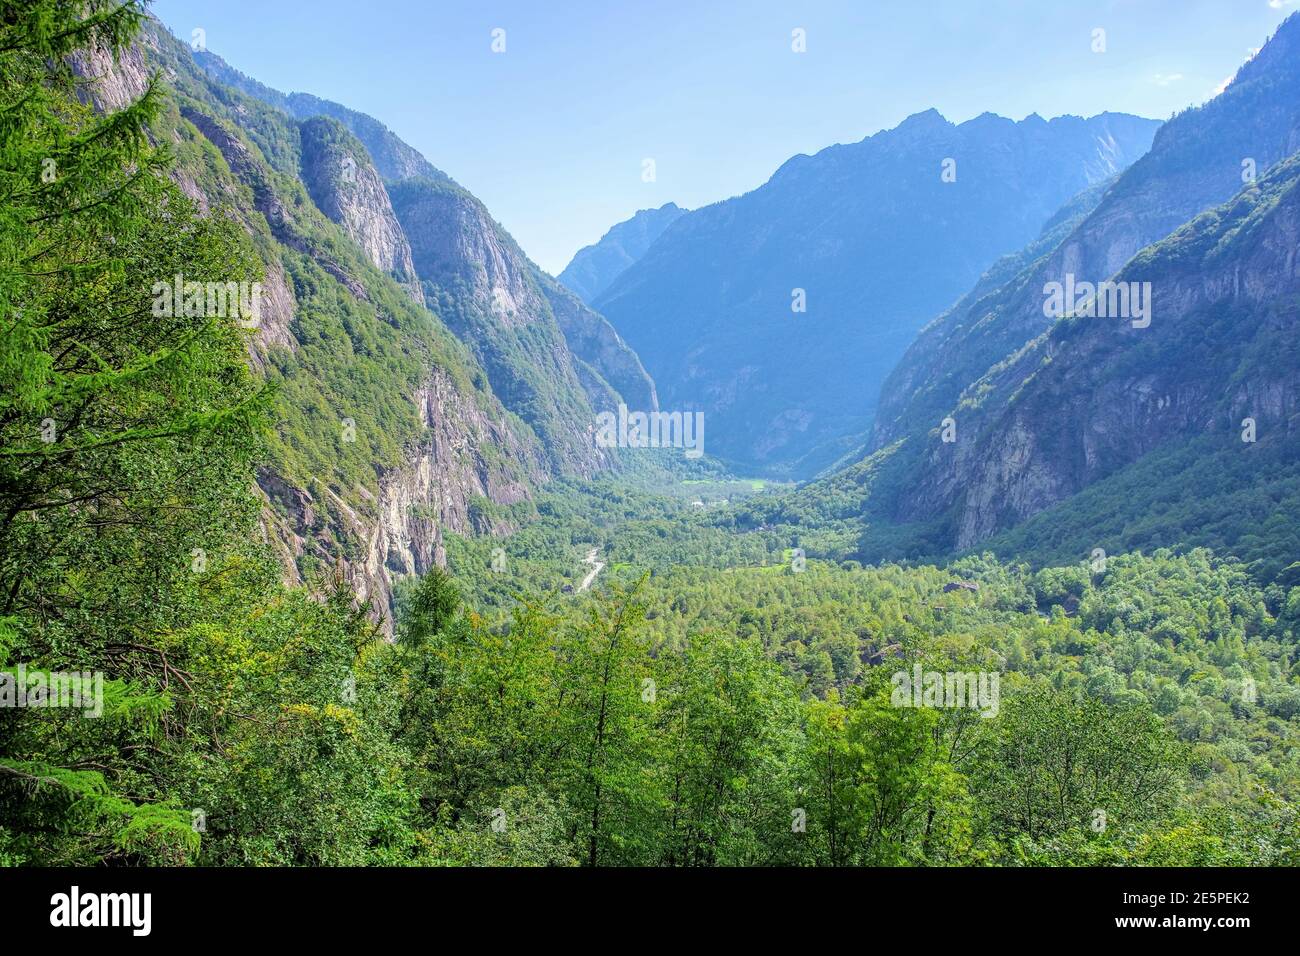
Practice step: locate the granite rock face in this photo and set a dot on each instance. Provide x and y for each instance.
(345, 185)
(323, 198)
(400, 522)
(549, 357)
(1044, 408)
(1095, 394)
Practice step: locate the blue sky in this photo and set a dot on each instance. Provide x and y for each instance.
(552, 133)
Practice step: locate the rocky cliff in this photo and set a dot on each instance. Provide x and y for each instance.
(389, 433)
(398, 527)
(1198, 159)
(1094, 395)
(345, 185)
(483, 286)
(551, 361)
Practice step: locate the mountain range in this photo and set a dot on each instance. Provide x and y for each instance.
(780, 312)
(342, 506)
(1047, 437)
(432, 377)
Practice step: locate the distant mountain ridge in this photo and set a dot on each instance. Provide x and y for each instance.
(594, 267)
(873, 238)
(392, 157)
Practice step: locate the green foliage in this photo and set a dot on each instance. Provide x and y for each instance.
(126, 436)
(710, 702)
(1160, 691)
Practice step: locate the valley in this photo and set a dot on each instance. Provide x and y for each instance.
(389, 548)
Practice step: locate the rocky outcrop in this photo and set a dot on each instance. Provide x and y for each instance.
(396, 528)
(491, 295)
(345, 186)
(247, 168)
(1094, 395)
(456, 242)
(112, 82)
(435, 489)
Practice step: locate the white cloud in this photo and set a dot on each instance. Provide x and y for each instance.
(1282, 4)
(1166, 79)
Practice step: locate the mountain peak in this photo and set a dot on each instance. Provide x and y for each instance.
(595, 267)
(925, 120)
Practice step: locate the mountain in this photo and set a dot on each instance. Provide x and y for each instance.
(872, 239)
(554, 363)
(594, 267)
(953, 349)
(1196, 161)
(390, 428)
(598, 348)
(1219, 365)
(346, 186)
(393, 158)
(483, 286)
(1174, 427)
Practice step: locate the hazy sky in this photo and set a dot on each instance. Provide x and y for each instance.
(552, 133)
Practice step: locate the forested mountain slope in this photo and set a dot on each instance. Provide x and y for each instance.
(551, 362)
(387, 432)
(490, 294)
(392, 428)
(1220, 359)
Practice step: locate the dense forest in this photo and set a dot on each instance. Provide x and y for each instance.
(725, 692)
